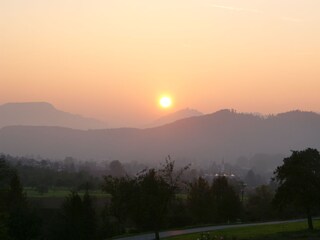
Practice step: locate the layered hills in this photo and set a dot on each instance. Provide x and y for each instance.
(224, 134)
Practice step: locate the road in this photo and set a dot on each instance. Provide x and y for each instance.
(172, 233)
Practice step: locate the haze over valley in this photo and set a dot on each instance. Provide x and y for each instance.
(195, 138)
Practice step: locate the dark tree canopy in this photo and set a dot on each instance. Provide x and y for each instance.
(259, 204)
(117, 169)
(77, 219)
(145, 198)
(17, 218)
(199, 203)
(299, 181)
(218, 203)
(4, 187)
(226, 203)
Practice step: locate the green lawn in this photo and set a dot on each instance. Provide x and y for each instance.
(278, 231)
(61, 193)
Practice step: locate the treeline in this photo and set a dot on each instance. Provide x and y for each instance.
(44, 174)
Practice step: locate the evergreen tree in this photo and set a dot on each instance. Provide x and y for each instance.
(199, 201)
(76, 220)
(225, 201)
(4, 186)
(89, 217)
(22, 222)
(69, 223)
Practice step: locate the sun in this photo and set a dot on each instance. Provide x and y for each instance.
(165, 102)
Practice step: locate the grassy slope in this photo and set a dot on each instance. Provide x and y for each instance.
(279, 231)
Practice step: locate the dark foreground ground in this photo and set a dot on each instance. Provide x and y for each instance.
(294, 229)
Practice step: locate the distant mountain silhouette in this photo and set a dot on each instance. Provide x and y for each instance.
(178, 115)
(43, 114)
(221, 135)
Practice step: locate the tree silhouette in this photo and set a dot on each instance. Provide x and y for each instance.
(22, 222)
(145, 198)
(70, 219)
(117, 169)
(89, 223)
(225, 201)
(155, 194)
(199, 201)
(259, 204)
(17, 219)
(5, 174)
(299, 182)
(77, 218)
(124, 201)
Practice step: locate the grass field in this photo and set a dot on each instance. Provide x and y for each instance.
(61, 193)
(54, 198)
(284, 231)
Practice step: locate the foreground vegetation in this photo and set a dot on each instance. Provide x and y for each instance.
(48, 200)
(283, 231)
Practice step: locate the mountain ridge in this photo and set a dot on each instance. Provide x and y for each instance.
(175, 116)
(223, 134)
(43, 114)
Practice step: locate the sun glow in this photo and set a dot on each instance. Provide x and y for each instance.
(165, 102)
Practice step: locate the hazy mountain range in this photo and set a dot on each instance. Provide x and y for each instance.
(178, 115)
(221, 135)
(44, 114)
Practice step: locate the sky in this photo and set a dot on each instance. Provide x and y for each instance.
(113, 59)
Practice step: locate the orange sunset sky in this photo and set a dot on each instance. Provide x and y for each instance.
(113, 59)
